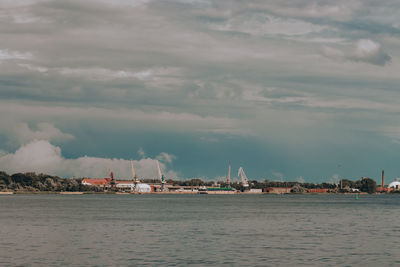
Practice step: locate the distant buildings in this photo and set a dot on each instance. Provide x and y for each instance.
(277, 190)
(137, 186)
(395, 185)
(124, 185)
(96, 182)
(318, 190)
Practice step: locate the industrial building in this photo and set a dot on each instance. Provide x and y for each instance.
(104, 182)
(317, 190)
(395, 185)
(277, 190)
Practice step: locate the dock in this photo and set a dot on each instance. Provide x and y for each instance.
(7, 193)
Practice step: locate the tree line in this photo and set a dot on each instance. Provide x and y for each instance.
(42, 182)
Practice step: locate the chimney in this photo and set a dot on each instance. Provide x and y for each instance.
(383, 179)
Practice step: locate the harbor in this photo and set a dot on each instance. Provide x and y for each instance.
(23, 183)
(227, 187)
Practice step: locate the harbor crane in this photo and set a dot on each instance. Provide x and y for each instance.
(134, 177)
(242, 175)
(228, 176)
(161, 177)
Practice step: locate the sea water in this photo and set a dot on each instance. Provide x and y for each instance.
(233, 230)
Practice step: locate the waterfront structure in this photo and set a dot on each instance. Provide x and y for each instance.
(382, 188)
(104, 182)
(125, 185)
(395, 185)
(133, 185)
(255, 191)
(317, 190)
(142, 188)
(161, 178)
(277, 190)
(134, 177)
(242, 175)
(216, 190)
(182, 189)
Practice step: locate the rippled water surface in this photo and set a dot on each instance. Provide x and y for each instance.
(264, 230)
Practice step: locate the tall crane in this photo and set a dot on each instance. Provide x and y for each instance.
(242, 175)
(134, 177)
(228, 176)
(160, 176)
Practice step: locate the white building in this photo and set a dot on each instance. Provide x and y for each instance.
(395, 184)
(143, 188)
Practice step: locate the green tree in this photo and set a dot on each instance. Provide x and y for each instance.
(368, 185)
(349, 183)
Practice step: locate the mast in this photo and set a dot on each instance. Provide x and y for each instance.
(242, 175)
(228, 176)
(107, 165)
(160, 176)
(159, 171)
(134, 177)
(112, 181)
(111, 174)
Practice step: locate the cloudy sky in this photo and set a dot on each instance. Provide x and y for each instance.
(287, 89)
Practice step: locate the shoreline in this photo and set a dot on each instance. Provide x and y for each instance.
(172, 193)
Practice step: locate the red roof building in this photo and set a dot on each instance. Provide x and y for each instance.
(96, 182)
(317, 190)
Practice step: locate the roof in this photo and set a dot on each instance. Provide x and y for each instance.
(318, 190)
(95, 181)
(124, 182)
(394, 184)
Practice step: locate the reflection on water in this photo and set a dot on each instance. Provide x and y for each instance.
(237, 230)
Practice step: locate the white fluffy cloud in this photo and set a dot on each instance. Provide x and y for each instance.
(43, 157)
(371, 52)
(44, 131)
(365, 50)
(37, 154)
(166, 157)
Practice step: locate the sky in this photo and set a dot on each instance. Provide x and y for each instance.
(289, 90)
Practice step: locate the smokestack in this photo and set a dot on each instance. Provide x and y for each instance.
(383, 179)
